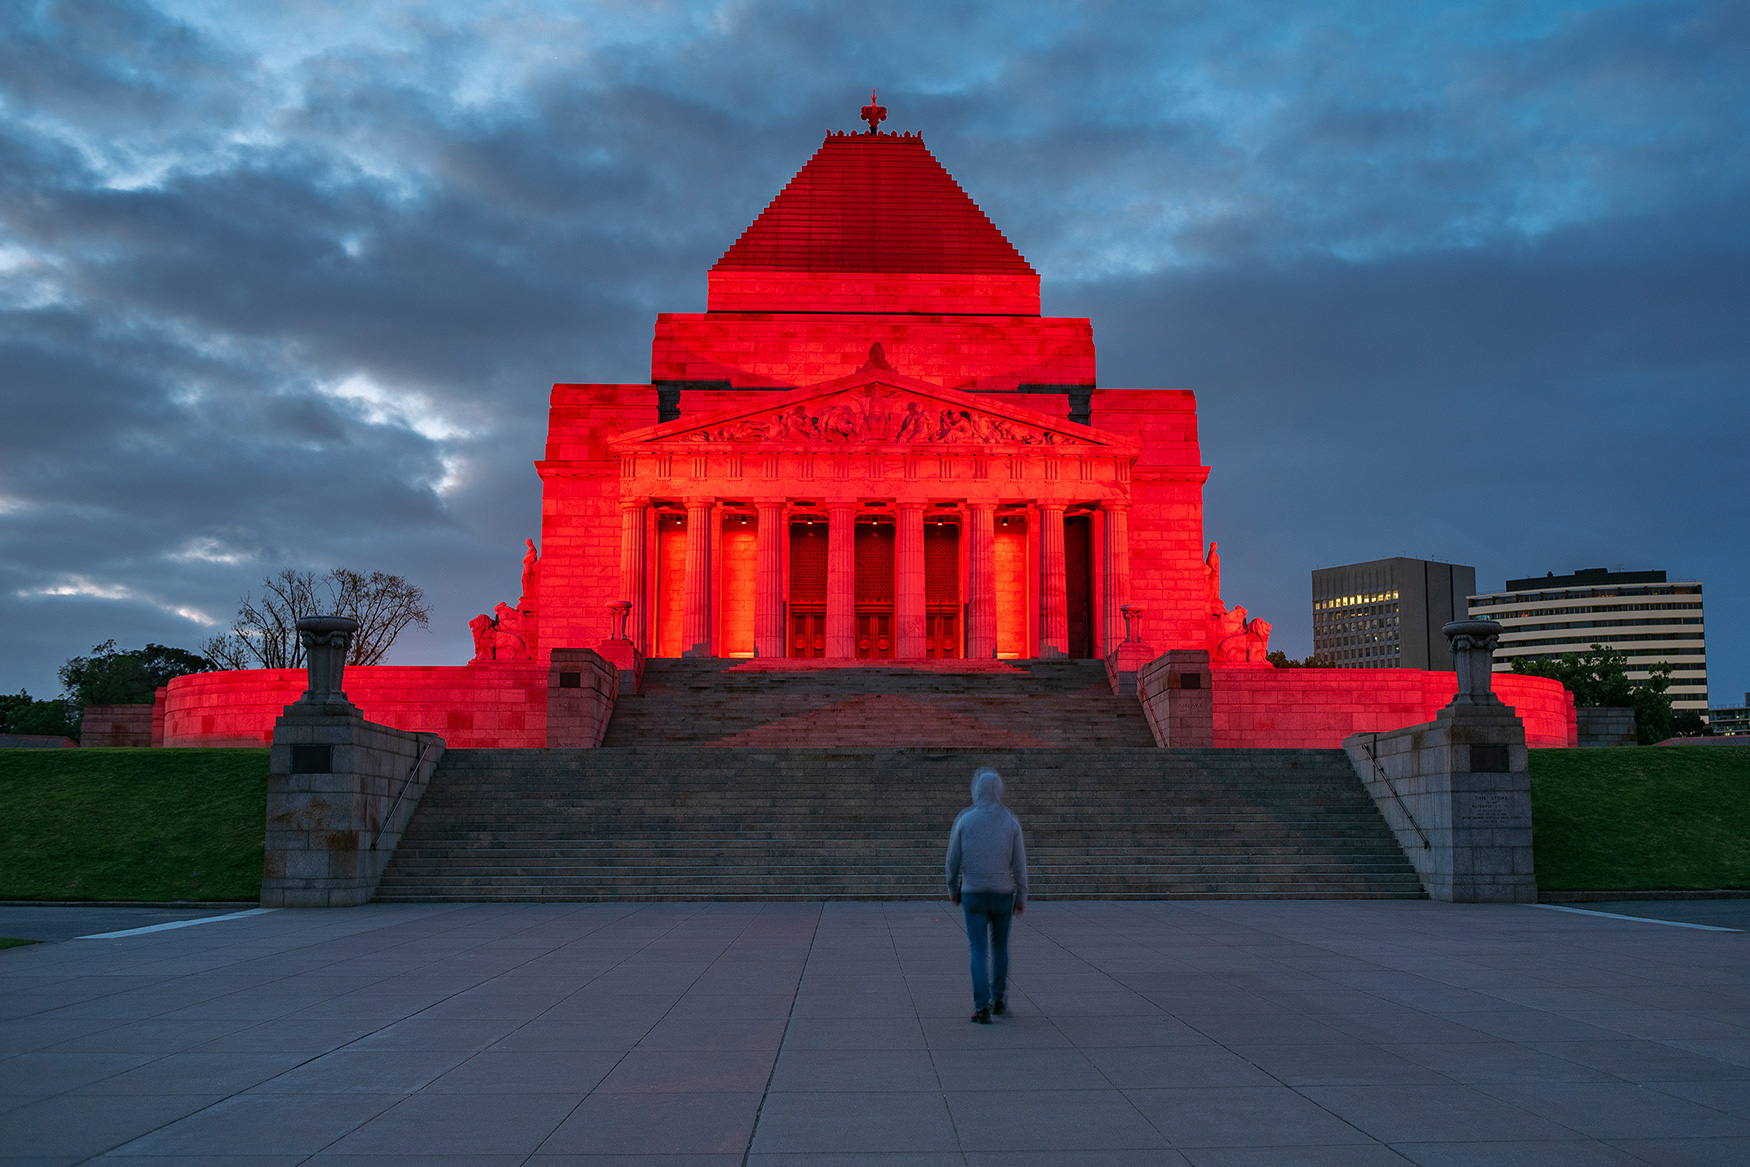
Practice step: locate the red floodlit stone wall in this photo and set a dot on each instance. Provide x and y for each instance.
(977, 354)
(497, 705)
(1318, 708)
(580, 509)
(1166, 512)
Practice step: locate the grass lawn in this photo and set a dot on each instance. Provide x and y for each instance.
(9, 942)
(1641, 818)
(136, 824)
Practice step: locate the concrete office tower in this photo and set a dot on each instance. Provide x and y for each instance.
(1638, 613)
(1387, 613)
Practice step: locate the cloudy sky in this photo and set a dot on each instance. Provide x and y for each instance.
(289, 288)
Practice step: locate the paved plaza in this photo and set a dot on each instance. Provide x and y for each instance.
(1211, 1033)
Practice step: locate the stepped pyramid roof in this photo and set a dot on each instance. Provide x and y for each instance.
(874, 203)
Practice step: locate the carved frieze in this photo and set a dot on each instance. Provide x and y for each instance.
(875, 415)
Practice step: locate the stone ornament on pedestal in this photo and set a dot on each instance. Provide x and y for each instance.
(326, 640)
(340, 789)
(1127, 660)
(620, 652)
(1473, 655)
(1457, 791)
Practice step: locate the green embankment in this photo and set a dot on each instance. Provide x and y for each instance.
(113, 824)
(187, 824)
(1641, 818)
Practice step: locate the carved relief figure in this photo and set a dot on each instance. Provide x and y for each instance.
(872, 417)
(911, 426)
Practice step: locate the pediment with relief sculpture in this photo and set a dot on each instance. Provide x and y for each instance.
(877, 407)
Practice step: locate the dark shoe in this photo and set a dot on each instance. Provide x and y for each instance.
(998, 1007)
(982, 1017)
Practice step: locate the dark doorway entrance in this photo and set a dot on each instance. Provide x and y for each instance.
(807, 588)
(1078, 584)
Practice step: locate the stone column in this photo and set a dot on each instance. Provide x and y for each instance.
(633, 569)
(696, 614)
(981, 583)
(768, 595)
(1115, 517)
(841, 580)
(1053, 593)
(908, 582)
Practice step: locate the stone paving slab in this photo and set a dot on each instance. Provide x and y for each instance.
(1208, 1034)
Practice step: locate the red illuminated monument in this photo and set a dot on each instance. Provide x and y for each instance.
(870, 447)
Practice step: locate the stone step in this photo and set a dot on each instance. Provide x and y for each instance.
(669, 821)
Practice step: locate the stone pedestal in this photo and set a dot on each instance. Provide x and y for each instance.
(1124, 662)
(1457, 791)
(340, 789)
(1178, 698)
(622, 655)
(581, 687)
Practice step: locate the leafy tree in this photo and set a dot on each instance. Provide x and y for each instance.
(1599, 677)
(1688, 723)
(1283, 661)
(265, 633)
(112, 677)
(22, 713)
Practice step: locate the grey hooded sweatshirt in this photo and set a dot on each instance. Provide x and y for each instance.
(985, 849)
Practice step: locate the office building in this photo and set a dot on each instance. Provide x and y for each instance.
(1640, 614)
(1731, 720)
(1387, 613)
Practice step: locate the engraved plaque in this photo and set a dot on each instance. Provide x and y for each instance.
(1489, 810)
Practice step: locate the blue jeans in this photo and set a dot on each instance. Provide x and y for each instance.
(987, 929)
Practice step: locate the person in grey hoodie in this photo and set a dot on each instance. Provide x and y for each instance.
(987, 875)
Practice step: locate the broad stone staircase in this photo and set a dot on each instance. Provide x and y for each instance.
(1033, 704)
(680, 822)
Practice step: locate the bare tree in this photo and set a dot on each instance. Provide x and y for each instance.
(265, 633)
(384, 605)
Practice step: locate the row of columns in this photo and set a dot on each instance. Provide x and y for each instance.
(770, 634)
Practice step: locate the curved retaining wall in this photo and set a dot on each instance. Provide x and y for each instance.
(1318, 708)
(501, 705)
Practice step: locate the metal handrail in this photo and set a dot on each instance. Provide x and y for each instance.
(411, 774)
(1372, 749)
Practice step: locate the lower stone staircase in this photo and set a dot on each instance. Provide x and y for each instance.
(680, 822)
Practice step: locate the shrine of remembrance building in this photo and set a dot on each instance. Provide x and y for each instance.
(870, 447)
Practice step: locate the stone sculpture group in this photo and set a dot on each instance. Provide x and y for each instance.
(510, 633)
